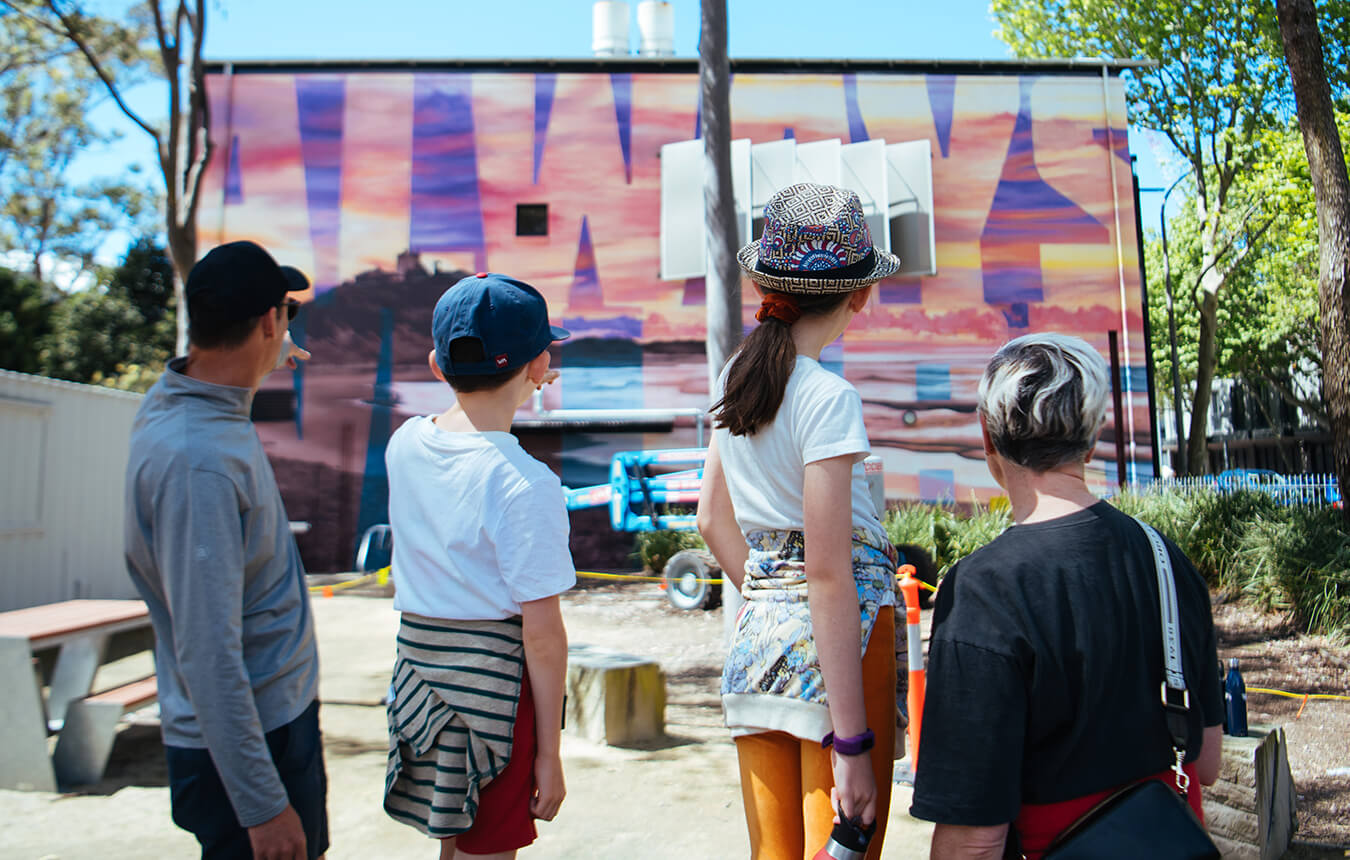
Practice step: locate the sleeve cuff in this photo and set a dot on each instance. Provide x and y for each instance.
(262, 815)
(859, 447)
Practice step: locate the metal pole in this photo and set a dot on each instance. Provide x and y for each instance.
(1182, 466)
(1118, 425)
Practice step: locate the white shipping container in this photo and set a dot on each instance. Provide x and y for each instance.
(63, 460)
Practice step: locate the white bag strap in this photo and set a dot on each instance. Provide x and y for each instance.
(1176, 698)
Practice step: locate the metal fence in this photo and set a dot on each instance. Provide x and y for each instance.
(1289, 490)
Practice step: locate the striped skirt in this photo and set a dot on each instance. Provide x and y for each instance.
(451, 713)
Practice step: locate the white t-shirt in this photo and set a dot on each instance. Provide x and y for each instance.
(480, 526)
(820, 417)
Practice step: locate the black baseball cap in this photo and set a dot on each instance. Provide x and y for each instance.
(508, 317)
(242, 281)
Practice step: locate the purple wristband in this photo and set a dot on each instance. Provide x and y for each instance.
(850, 746)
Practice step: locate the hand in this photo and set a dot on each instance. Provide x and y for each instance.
(550, 790)
(855, 788)
(281, 838)
(295, 354)
(289, 353)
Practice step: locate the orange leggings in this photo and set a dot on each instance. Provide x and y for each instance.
(786, 781)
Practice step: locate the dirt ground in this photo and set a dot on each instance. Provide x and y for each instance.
(672, 800)
(1272, 655)
(678, 798)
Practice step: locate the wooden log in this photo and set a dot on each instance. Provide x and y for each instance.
(614, 698)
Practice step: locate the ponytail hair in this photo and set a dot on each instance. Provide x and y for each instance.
(760, 369)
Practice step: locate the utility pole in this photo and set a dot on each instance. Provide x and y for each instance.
(1182, 467)
(723, 279)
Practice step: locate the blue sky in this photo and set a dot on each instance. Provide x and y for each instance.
(426, 29)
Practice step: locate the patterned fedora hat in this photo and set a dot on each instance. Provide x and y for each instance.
(815, 241)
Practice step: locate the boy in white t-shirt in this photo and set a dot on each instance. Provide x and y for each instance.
(480, 557)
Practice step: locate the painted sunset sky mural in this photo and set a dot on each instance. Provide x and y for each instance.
(387, 186)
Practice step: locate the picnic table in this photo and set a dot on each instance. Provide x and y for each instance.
(78, 631)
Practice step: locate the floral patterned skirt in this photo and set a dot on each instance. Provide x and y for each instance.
(772, 680)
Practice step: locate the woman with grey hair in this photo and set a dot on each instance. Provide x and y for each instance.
(1045, 660)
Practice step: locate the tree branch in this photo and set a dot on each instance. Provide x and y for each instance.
(73, 35)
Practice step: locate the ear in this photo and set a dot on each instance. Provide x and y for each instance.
(270, 324)
(984, 432)
(859, 298)
(435, 366)
(537, 368)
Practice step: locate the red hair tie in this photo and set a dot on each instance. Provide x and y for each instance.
(779, 306)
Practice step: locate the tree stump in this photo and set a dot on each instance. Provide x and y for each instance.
(614, 698)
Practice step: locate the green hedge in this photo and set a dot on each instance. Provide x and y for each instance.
(1291, 559)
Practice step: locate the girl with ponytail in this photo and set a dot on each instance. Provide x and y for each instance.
(808, 688)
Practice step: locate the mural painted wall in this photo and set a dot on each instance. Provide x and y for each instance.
(388, 186)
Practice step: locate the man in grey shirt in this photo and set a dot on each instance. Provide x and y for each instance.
(209, 547)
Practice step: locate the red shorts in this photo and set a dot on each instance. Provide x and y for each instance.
(503, 821)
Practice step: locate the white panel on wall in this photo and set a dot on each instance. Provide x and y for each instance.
(910, 180)
(818, 162)
(741, 175)
(22, 459)
(684, 245)
(774, 167)
(863, 170)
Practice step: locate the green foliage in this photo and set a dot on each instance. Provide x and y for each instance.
(119, 332)
(1288, 559)
(655, 548)
(913, 523)
(26, 307)
(945, 533)
(47, 92)
(1267, 333)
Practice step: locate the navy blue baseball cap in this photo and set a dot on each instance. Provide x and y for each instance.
(509, 318)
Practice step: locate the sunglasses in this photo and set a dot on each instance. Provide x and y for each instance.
(292, 308)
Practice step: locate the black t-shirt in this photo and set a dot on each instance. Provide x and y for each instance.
(1045, 669)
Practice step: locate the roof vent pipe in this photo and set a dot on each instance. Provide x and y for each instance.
(609, 29)
(656, 28)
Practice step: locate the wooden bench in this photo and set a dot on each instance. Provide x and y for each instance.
(86, 740)
(77, 632)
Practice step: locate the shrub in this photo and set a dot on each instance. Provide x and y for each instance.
(912, 523)
(654, 549)
(1299, 563)
(947, 536)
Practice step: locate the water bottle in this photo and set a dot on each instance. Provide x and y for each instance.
(1235, 697)
(848, 840)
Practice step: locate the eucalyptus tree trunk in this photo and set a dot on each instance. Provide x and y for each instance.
(719, 204)
(723, 279)
(1326, 162)
(1207, 360)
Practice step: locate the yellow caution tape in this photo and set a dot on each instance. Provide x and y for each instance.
(379, 577)
(633, 577)
(1304, 696)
